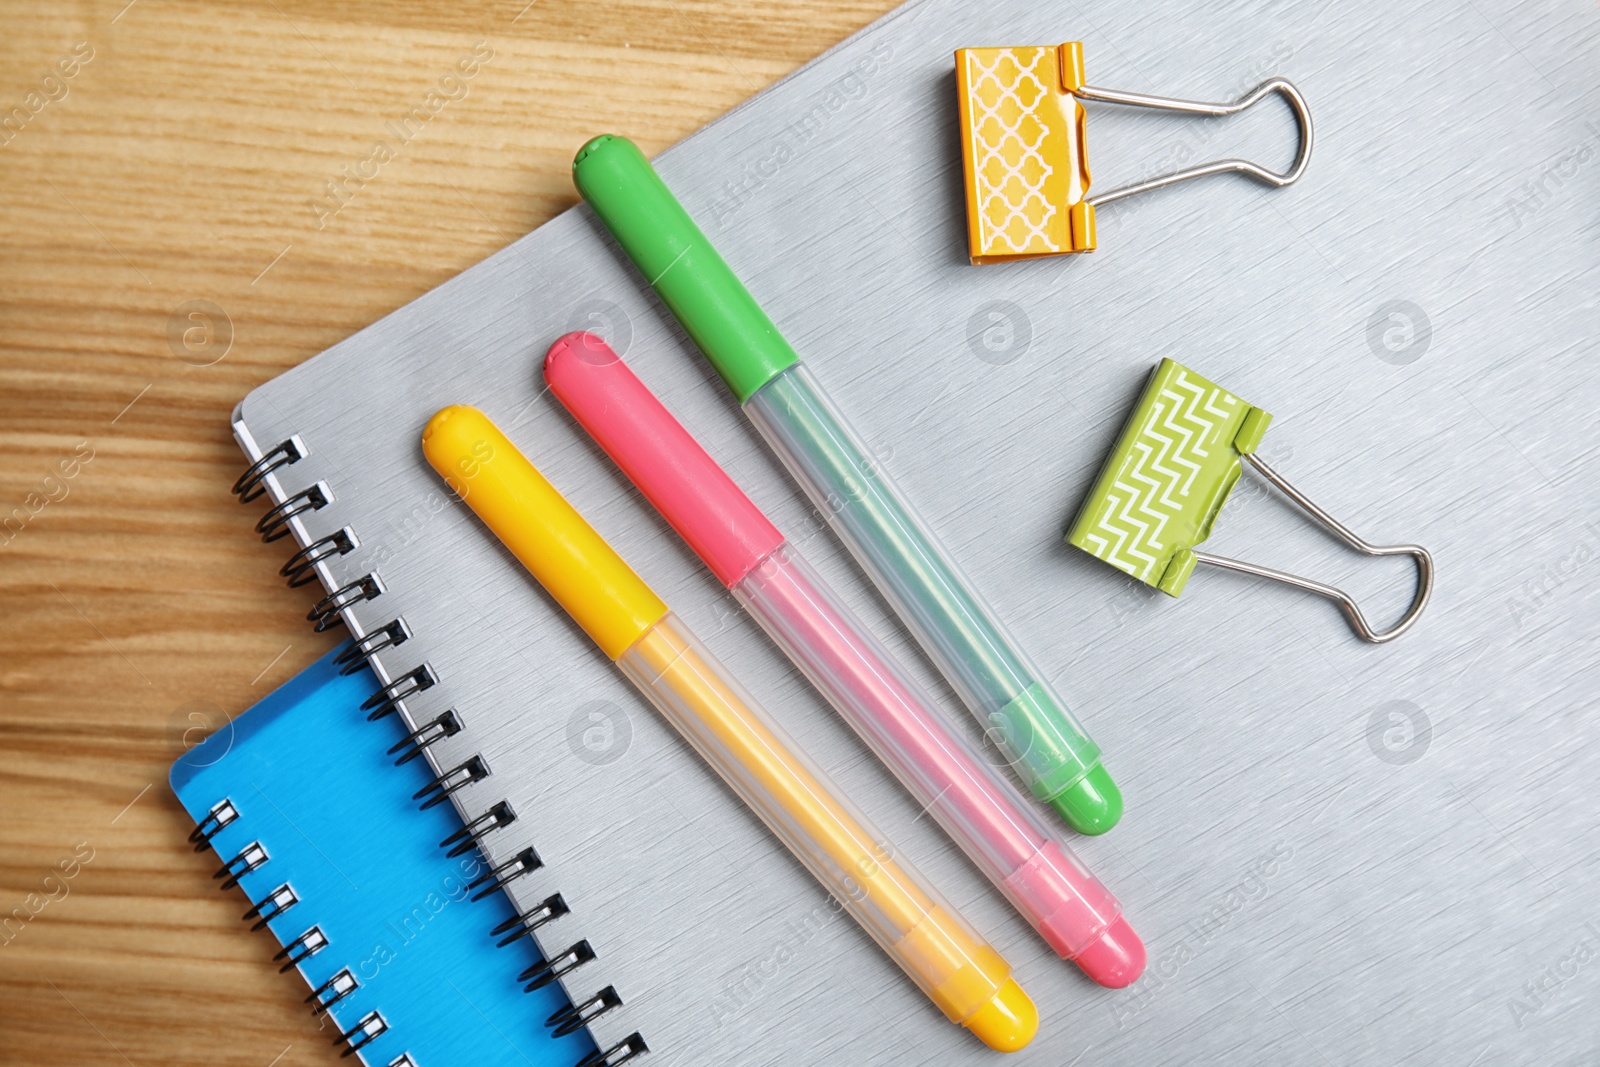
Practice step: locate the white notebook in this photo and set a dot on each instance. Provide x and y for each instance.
(1336, 853)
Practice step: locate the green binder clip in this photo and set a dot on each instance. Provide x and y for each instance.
(1168, 477)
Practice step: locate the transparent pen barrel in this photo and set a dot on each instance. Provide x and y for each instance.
(1047, 745)
(919, 930)
(976, 806)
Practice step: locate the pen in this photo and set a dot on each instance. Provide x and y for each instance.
(978, 808)
(1045, 743)
(968, 980)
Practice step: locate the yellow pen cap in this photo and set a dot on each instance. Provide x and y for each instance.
(574, 564)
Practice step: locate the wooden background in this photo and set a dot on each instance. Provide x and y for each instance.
(180, 162)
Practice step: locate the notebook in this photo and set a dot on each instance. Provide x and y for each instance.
(312, 819)
(1335, 852)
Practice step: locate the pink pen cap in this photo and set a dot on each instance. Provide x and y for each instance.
(972, 801)
(683, 483)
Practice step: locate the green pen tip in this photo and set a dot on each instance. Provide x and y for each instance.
(589, 149)
(1091, 805)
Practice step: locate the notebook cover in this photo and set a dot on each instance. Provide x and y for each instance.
(311, 782)
(1336, 853)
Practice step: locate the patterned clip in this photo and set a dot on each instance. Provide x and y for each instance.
(1023, 148)
(1169, 475)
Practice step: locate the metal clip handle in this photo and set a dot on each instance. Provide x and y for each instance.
(1346, 603)
(1297, 104)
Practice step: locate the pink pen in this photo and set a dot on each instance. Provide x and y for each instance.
(980, 810)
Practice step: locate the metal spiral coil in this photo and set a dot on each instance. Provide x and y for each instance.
(253, 482)
(358, 652)
(413, 744)
(472, 834)
(543, 973)
(520, 926)
(222, 813)
(277, 902)
(618, 1054)
(332, 991)
(304, 568)
(326, 614)
(575, 1017)
(274, 525)
(390, 696)
(362, 1034)
(301, 948)
(249, 858)
(459, 777)
(525, 862)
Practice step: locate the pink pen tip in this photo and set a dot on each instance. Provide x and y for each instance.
(1117, 959)
(694, 495)
(584, 346)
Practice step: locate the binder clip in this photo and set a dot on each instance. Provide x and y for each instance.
(1024, 154)
(1170, 473)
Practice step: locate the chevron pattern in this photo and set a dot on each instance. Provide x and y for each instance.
(1183, 419)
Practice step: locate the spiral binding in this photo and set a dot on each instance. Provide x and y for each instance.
(274, 525)
(544, 972)
(412, 746)
(620, 1053)
(525, 862)
(332, 991)
(278, 901)
(575, 1017)
(362, 1033)
(253, 482)
(220, 815)
(357, 653)
(457, 778)
(302, 566)
(249, 858)
(467, 838)
(331, 608)
(307, 565)
(547, 910)
(302, 948)
(390, 696)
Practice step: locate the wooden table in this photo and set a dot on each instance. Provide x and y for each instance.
(170, 242)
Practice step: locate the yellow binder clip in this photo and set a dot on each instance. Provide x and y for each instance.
(1022, 147)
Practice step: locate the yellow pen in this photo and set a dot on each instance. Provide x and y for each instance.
(968, 980)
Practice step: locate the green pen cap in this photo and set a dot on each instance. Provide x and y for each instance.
(682, 266)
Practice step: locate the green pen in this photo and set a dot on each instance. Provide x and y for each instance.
(1042, 739)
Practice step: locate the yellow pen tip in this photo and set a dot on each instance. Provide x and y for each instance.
(441, 417)
(1008, 1022)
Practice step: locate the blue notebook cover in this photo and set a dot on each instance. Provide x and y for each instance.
(401, 943)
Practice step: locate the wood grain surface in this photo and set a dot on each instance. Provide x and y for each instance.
(192, 204)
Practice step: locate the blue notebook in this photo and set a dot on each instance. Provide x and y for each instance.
(393, 918)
